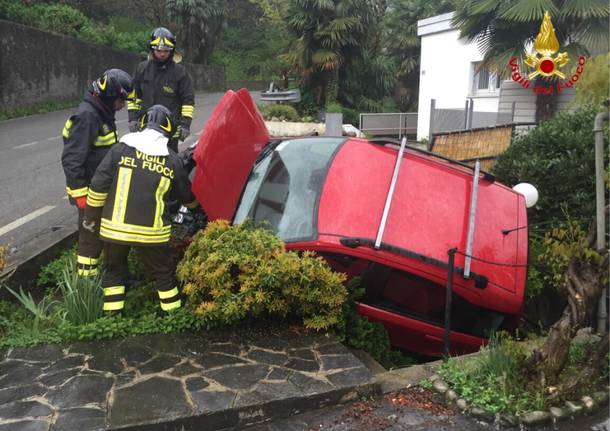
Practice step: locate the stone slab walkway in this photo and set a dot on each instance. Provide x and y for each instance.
(169, 382)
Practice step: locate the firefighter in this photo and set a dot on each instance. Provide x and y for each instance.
(88, 135)
(128, 198)
(160, 80)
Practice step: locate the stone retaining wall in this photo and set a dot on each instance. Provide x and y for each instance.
(37, 66)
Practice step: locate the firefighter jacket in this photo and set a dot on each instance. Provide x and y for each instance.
(134, 188)
(166, 84)
(88, 135)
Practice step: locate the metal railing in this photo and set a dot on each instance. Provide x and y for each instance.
(451, 120)
(389, 124)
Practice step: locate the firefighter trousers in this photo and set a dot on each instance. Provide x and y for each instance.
(89, 248)
(157, 262)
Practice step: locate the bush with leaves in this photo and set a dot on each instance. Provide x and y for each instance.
(121, 32)
(493, 380)
(561, 245)
(51, 274)
(360, 333)
(594, 85)
(558, 158)
(231, 273)
(280, 112)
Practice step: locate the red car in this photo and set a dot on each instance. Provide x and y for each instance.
(346, 199)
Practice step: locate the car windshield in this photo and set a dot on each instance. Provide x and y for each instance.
(284, 187)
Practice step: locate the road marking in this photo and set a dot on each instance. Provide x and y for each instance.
(20, 221)
(29, 144)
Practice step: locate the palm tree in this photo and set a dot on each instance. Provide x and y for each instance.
(199, 23)
(504, 29)
(330, 35)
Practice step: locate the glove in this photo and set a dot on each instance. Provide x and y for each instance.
(184, 133)
(81, 202)
(133, 126)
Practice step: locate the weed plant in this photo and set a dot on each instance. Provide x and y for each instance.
(42, 310)
(50, 275)
(494, 380)
(82, 297)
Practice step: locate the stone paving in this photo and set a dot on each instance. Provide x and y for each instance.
(168, 382)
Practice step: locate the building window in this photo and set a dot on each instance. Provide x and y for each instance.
(484, 81)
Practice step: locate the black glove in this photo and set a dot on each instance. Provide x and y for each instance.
(184, 133)
(133, 126)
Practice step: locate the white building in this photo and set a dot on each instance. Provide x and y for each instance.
(448, 74)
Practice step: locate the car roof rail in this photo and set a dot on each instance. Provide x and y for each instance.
(383, 141)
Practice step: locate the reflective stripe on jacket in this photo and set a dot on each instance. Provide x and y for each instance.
(87, 135)
(134, 190)
(166, 84)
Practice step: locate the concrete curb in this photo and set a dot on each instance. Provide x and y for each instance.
(258, 413)
(23, 266)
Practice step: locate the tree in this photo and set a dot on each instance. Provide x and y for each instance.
(505, 29)
(402, 44)
(200, 23)
(330, 36)
(253, 39)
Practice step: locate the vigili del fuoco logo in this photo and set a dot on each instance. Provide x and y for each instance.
(545, 63)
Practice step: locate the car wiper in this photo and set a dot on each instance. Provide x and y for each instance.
(268, 148)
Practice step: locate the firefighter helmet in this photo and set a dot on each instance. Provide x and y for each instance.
(159, 118)
(162, 39)
(114, 84)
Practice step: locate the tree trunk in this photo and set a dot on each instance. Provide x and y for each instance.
(546, 104)
(589, 373)
(584, 286)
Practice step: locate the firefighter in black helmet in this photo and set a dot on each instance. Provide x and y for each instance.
(160, 80)
(88, 135)
(128, 200)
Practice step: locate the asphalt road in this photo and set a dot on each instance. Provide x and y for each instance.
(33, 201)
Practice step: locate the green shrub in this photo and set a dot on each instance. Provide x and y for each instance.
(233, 272)
(372, 337)
(561, 245)
(307, 107)
(558, 158)
(493, 380)
(42, 311)
(121, 32)
(51, 274)
(351, 116)
(594, 84)
(334, 108)
(280, 112)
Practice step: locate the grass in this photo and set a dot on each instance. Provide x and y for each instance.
(495, 379)
(38, 108)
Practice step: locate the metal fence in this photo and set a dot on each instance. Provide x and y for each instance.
(449, 120)
(389, 124)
